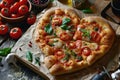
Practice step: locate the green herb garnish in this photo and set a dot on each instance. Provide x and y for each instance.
(29, 56)
(73, 54)
(5, 51)
(37, 60)
(66, 58)
(96, 29)
(79, 58)
(66, 20)
(86, 33)
(48, 29)
(87, 10)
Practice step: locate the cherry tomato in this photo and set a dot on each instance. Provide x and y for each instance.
(5, 12)
(4, 4)
(72, 45)
(65, 36)
(15, 33)
(14, 7)
(3, 29)
(23, 9)
(31, 19)
(78, 44)
(86, 51)
(14, 15)
(10, 1)
(23, 2)
(59, 54)
(95, 36)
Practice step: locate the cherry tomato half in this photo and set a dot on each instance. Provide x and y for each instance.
(59, 54)
(31, 19)
(23, 9)
(86, 51)
(65, 36)
(5, 12)
(3, 29)
(95, 36)
(15, 33)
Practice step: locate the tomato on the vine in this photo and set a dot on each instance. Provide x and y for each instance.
(3, 29)
(23, 2)
(5, 12)
(31, 19)
(23, 9)
(15, 33)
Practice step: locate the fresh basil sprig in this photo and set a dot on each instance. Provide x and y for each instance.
(29, 56)
(48, 29)
(86, 33)
(5, 51)
(65, 27)
(66, 20)
(37, 60)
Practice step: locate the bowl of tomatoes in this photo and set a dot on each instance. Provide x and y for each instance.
(14, 10)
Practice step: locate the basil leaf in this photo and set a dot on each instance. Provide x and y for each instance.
(66, 20)
(73, 54)
(65, 27)
(79, 58)
(29, 56)
(37, 60)
(5, 51)
(86, 33)
(66, 58)
(87, 10)
(48, 29)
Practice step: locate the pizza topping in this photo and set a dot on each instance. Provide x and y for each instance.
(79, 58)
(86, 33)
(65, 27)
(48, 29)
(56, 21)
(95, 36)
(86, 51)
(77, 35)
(65, 36)
(66, 58)
(72, 45)
(66, 20)
(60, 54)
(29, 56)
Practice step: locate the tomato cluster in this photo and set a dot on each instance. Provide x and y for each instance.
(14, 33)
(14, 8)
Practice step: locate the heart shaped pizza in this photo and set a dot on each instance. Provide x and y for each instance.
(70, 43)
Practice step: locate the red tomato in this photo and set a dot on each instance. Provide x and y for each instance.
(23, 2)
(15, 33)
(3, 29)
(86, 51)
(14, 15)
(57, 22)
(23, 9)
(31, 19)
(5, 12)
(10, 1)
(14, 7)
(78, 44)
(95, 36)
(72, 45)
(59, 54)
(65, 36)
(4, 4)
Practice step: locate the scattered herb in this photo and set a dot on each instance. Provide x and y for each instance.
(73, 54)
(51, 44)
(30, 45)
(86, 33)
(29, 56)
(65, 27)
(37, 60)
(66, 20)
(0, 59)
(20, 49)
(48, 29)
(51, 0)
(66, 58)
(55, 34)
(79, 58)
(5, 51)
